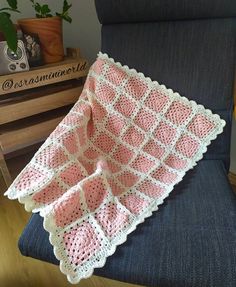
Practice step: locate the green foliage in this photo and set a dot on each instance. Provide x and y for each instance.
(65, 12)
(43, 11)
(6, 25)
(12, 4)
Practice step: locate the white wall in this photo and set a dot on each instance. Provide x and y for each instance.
(83, 32)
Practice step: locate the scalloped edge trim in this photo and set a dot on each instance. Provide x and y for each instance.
(76, 280)
(134, 72)
(47, 224)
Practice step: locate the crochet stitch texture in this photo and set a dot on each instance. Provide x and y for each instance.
(110, 163)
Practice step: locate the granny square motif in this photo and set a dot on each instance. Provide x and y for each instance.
(110, 162)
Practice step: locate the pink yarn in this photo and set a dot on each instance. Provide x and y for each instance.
(49, 194)
(81, 243)
(112, 219)
(134, 203)
(111, 161)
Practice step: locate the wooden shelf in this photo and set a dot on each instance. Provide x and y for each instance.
(66, 70)
(24, 136)
(33, 103)
(28, 131)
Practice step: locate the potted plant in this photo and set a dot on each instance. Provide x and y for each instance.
(48, 27)
(6, 26)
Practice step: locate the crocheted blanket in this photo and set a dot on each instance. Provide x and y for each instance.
(110, 162)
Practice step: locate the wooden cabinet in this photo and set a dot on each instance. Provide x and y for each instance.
(32, 104)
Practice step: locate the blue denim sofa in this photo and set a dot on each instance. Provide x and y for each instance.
(189, 46)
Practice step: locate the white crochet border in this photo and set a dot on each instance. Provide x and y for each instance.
(49, 225)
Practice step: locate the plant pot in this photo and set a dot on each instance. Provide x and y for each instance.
(49, 31)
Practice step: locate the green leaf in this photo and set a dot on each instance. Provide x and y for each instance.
(37, 8)
(12, 3)
(9, 31)
(66, 7)
(65, 17)
(9, 15)
(9, 9)
(45, 9)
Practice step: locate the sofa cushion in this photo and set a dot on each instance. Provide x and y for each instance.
(123, 11)
(188, 56)
(190, 241)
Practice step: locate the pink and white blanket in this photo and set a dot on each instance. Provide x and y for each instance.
(110, 162)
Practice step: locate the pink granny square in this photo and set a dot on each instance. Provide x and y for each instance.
(165, 133)
(136, 87)
(112, 219)
(145, 119)
(30, 177)
(52, 156)
(133, 137)
(134, 203)
(142, 164)
(123, 154)
(70, 209)
(49, 193)
(113, 167)
(115, 75)
(154, 149)
(98, 111)
(163, 175)
(105, 92)
(176, 162)
(149, 188)
(69, 141)
(201, 126)
(187, 146)
(91, 153)
(178, 113)
(81, 243)
(115, 124)
(157, 100)
(95, 192)
(128, 178)
(125, 106)
(72, 174)
(104, 143)
(115, 186)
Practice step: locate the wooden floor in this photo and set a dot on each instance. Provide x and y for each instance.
(20, 271)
